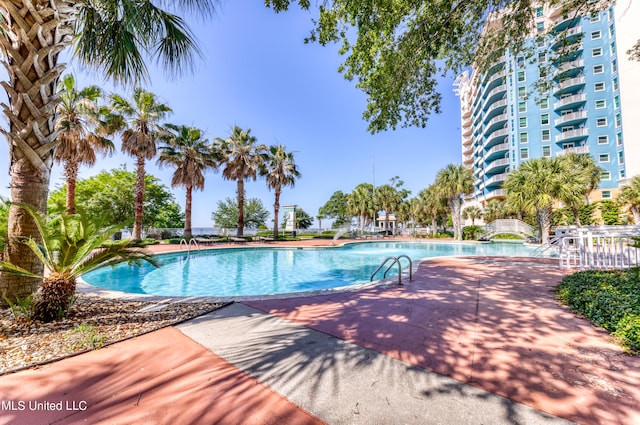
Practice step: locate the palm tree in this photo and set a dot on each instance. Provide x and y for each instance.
(142, 121)
(242, 158)
(280, 170)
(184, 148)
(68, 246)
(388, 199)
(494, 210)
(586, 177)
(451, 183)
(80, 133)
(114, 36)
(630, 195)
(361, 203)
(534, 187)
(432, 205)
(472, 212)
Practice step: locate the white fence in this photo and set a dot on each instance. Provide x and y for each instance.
(598, 247)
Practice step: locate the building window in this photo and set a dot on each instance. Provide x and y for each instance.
(544, 103)
(521, 76)
(618, 120)
(599, 86)
(522, 106)
(601, 103)
(546, 151)
(614, 66)
(621, 173)
(595, 17)
(603, 140)
(539, 12)
(606, 194)
(616, 101)
(615, 83)
(522, 92)
(603, 158)
(524, 153)
(524, 137)
(598, 69)
(540, 26)
(596, 52)
(596, 35)
(542, 57)
(619, 139)
(520, 61)
(612, 30)
(523, 122)
(613, 48)
(601, 122)
(546, 135)
(544, 119)
(605, 176)
(620, 158)
(542, 71)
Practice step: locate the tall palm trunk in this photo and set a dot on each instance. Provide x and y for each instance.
(543, 217)
(34, 33)
(71, 176)
(636, 214)
(187, 212)
(276, 211)
(454, 205)
(240, 231)
(576, 216)
(137, 224)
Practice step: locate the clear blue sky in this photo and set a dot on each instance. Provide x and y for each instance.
(257, 73)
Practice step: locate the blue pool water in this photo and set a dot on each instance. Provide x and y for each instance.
(264, 271)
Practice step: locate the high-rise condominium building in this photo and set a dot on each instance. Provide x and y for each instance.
(591, 105)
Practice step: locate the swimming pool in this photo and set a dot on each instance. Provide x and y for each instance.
(278, 270)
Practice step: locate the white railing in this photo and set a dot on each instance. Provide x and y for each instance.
(578, 132)
(598, 247)
(580, 115)
(512, 226)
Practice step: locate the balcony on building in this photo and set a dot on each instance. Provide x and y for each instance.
(467, 143)
(495, 123)
(467, 160)
(494, 95)
(466, 113)
(569, 85)
(495, 180)
(570, 102)
(496, 108)
(498, 136)
(565, 36)
(496, 151)
(496, 80)
(497, 166)
(467, 129)
(494, 194)
(572, 135)
(569, 69)
(578, 150)
(573, 118)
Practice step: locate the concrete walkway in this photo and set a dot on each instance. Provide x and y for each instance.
(470, 341)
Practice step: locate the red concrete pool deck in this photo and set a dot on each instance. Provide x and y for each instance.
(492, 323)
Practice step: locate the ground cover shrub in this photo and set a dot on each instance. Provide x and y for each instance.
(471, 232)
(610, 299)
(507, 236)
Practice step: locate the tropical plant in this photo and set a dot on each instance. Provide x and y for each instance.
(361, 203)
(472, 213)
(610, 212)
(116, 37)
(584, 177)
(630, 196)
(280, 170)
(494, 209)
(81, 132)
(432, 206)
(141, 120)
(534, 187)
(452, 182)
(242, 157)
(184, 148)
(69, 245)
(387, 198)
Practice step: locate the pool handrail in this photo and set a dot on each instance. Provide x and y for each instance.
(395, 260)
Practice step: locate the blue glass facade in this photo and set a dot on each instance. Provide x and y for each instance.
(507, 119)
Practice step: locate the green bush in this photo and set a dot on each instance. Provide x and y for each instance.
(610, 299)
(471, 232)
(507, 236)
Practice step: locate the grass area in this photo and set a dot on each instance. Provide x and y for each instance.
(610, 299)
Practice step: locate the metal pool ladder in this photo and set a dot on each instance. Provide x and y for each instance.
(188, 245)
(395, 260)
